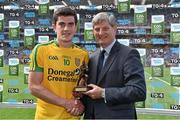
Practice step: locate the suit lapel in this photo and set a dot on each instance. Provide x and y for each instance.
(112, 55)
(95, 64)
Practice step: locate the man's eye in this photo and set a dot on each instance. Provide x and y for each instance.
(71, 24)
(105, 29)
(97, 30)
(62, 24)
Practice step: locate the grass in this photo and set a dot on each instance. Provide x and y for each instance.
(17, 113)
(161, 85)
(28, 114)
(14, 82)
(157, 117)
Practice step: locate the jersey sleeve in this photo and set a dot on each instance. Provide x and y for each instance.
(36, 59)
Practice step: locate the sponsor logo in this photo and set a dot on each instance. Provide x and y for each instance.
(53, 58)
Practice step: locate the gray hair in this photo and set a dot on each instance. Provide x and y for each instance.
(104, 16)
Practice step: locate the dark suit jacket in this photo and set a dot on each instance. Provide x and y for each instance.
(123, 79)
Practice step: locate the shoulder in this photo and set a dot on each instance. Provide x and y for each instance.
(126, 49)
(123, 51)
(80, 49)
(94, 54)
(43, 45)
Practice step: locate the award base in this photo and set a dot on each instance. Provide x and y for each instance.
(81, 89)
(78, 91)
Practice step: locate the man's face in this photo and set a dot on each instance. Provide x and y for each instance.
(104, 33)
(65, 28)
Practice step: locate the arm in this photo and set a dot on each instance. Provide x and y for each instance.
(36, 89)
(134, 88)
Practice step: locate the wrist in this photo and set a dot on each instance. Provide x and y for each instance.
(63, 102)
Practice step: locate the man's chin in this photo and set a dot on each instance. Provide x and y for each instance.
(100, 42)
(66, 39)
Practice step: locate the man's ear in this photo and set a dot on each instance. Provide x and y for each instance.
(115, 28)
(76, 27)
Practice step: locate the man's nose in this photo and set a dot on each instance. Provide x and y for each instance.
(101, 31)
(66, 27)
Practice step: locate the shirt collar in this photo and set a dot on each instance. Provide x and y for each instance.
(108, 48)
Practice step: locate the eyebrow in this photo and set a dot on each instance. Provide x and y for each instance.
(65, 23)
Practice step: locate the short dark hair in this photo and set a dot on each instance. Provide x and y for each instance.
(64, 11)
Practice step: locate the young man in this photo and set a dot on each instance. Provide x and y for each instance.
(119, 83)
(55, 70)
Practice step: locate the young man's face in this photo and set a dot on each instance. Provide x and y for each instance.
(65, 28)
(104, 33)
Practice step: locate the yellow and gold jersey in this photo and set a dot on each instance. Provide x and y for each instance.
(61, 68)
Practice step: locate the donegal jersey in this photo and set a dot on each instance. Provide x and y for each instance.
(61, 68)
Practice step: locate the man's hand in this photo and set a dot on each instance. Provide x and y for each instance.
(75, 107)
(95, 92)
(79, 107)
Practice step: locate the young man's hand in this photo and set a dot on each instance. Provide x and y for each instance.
(74, 106)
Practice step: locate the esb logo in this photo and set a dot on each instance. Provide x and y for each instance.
(53, 58)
